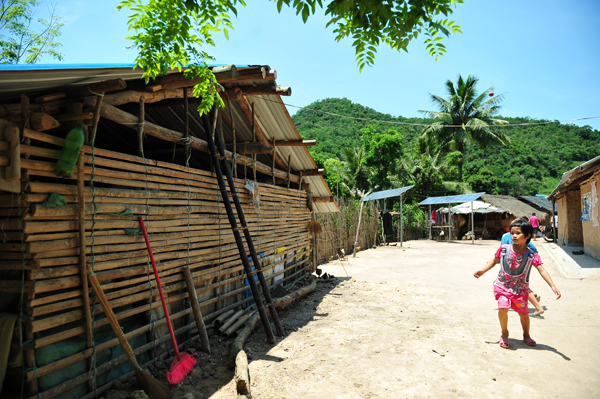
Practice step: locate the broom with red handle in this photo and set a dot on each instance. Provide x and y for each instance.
(183, 363)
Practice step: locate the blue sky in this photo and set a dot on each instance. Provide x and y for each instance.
(542, 54)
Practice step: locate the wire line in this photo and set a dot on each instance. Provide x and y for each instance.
(430, 125)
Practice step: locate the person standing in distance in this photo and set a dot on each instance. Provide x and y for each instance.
(535, 223)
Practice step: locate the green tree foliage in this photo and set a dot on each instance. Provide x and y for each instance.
(537, 157)
(394, 23)
(356, 170)
(172, 33)
(23, 39)
(485, 180)
(334, 133)
(465, 117)
(383, 152)
(532, 164)
(175, 33)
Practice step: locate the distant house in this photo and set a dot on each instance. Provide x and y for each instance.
(576, 197)
(542, 204)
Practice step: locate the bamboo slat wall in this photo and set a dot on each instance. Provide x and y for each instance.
(339, 229)
(41, 245)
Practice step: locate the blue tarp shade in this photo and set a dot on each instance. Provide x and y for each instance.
(387, 193)
(451, 199)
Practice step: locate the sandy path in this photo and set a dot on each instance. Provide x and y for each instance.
(413, 322)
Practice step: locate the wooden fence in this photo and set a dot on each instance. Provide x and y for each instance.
(339, 229)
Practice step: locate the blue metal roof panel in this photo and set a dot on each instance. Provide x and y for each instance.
(56, 67)
(387, 193)
(451, 199)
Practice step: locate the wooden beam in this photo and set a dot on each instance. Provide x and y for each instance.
(74, 117)
(294, 143)
(225, 73)
(100, 87)
(251, 148)
(130, 121)
(37, 120)
(50, 97)
(312, 172)
(235, 92)
(322, 199)
(246, 109)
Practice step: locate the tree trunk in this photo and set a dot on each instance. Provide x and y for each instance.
(461, 148)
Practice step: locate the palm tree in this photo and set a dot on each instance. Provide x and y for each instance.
(465, 117)
(357, 173)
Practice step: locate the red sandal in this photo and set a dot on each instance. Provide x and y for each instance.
(504, 342)
(529, 342)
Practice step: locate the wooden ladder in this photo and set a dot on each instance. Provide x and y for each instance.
(216, 158)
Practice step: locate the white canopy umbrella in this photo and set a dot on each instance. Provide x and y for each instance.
(478, 207)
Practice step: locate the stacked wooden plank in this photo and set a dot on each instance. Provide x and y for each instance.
(187, 225)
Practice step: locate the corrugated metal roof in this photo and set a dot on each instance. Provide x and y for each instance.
(572, 175)
(27, 78)
(272, 115)
(396, 192)
(451, 199)
(541, 202)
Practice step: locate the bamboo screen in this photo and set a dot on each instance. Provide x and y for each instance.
(339, 229)
(40, 256)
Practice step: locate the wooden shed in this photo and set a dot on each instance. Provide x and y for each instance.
(147, 154)
(575, 200)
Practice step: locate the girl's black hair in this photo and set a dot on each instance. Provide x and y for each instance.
(525, 227)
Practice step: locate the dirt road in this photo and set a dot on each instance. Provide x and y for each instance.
(413, 322)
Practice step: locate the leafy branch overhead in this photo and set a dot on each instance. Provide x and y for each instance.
(174, 33)
(394, 23)
(24, 38)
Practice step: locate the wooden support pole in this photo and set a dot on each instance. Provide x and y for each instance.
(274, 155)
(140, 128)
(97, 108)
(13, 171)
(248, 110)
(186, 127)
(289, 170)
(25, 122)
(82, 250)
(204, 342)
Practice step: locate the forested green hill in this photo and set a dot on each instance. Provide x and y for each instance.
(533, 163)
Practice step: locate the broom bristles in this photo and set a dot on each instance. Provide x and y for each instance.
(153, 388)
(180, 368)
(314, 227)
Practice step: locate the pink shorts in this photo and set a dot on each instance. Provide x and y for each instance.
(506, 300)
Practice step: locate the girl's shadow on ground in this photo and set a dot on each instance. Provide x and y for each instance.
(516, 344)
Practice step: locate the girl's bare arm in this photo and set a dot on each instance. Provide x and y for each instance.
(487, 267)
(548, 279)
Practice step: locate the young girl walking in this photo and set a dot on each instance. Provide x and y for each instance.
(511, 287)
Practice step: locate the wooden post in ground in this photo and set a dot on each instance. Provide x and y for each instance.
(196, 309)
